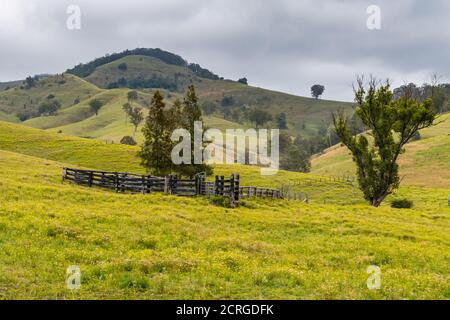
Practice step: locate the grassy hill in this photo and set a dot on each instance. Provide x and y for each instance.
(109, 77)
(158, 247)
(65, 88)
(304, 115)
(425, 162)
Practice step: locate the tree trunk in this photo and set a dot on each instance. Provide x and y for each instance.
(377, 201)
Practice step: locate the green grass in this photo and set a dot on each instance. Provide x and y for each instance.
(72, 150)
(165, 247)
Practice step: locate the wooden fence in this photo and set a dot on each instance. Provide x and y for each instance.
(136, 183)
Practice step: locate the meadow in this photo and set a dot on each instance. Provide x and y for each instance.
(166, 247)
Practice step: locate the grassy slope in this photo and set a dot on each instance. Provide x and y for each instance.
(73, 150)
(66, 89)
(156, 246)
(425, 162)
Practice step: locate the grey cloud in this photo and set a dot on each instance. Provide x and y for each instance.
(285, 45)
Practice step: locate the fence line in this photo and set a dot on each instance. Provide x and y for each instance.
(138, 183)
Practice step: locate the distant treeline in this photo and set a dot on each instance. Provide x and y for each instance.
(84, 70)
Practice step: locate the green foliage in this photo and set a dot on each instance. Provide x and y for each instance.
(191, 114)
(281, 120)
(30, 82)
(49, 108)
(243, 81)
(223, 202)
(377, 167)
(132, 96)
(156, 151)
(128, 141)
(402, 203)
(136, 116)
(122, 66)
(259, 117)
(95, 105)
(317, 90)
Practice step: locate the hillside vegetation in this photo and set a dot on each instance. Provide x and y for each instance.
(425, 162)
(24, 102)
(110, 77)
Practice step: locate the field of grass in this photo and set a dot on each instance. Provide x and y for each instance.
(72, 150)
(425, 162)
(166, 247)
(156, 246)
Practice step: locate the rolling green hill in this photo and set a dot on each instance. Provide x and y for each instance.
(425, 162)
(109, 77)
(65, 88)
(304, 115)
(165, 247)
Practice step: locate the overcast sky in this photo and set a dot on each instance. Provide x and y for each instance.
(285, 45)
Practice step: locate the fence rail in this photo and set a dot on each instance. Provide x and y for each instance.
(136, 183)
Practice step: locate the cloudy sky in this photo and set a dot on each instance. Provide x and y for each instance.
(286, 45)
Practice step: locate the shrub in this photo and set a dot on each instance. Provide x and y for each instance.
(128, 140)
(122, 67)
(221, 202)
(402, 203)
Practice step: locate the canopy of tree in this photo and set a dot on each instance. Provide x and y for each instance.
(377, 167)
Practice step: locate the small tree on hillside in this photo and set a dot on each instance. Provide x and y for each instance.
(259, 117)
(281, 120)
(136, 116)
(49, 108)
(156, 151)
(95, 105)
(317, 90)
(377, 167)
(127, 109)
(243, 81)
(132, 96)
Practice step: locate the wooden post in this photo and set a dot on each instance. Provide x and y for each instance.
(64, 174)
(116, 181)
(91, 178)
(166, 184)
(231, 195)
